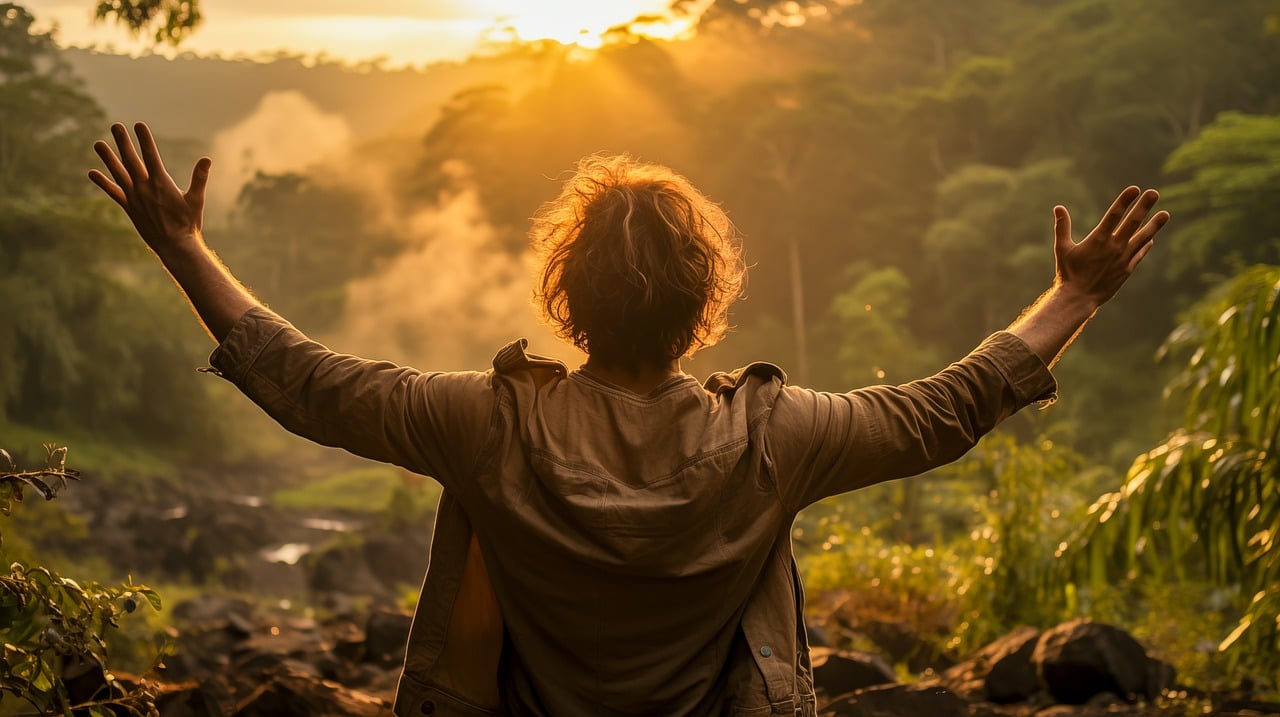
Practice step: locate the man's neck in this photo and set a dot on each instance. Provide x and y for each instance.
(640, 381)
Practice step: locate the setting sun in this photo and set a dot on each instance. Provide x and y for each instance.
(398, 32)
(580, 22)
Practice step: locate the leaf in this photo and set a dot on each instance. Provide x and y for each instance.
(1230, 640)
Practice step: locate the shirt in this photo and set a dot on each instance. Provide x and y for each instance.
(605, 553)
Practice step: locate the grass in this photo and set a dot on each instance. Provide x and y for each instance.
(362, 490)
(110, 461)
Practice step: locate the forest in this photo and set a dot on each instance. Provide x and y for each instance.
(892, 166)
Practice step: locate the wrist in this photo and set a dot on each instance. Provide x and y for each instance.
(179, 248)
(1071, 298)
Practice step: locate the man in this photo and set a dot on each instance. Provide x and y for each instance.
(615, 540)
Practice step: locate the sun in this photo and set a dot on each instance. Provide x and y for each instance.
(583, 23)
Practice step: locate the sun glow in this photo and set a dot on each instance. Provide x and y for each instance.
(399, 32)
(585, 23)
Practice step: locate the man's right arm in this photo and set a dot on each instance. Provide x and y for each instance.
(170, 222)
(430, 423)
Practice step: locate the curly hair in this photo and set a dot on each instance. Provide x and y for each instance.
(639, 268)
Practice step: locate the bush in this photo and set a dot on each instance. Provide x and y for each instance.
(52, 625)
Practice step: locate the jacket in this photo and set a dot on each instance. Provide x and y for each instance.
(600, 552)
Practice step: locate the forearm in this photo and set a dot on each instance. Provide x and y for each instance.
(1050, 324)
(217, 297)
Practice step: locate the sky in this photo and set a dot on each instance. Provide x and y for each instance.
(404, 32)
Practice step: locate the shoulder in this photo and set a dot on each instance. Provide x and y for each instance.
(751, 376)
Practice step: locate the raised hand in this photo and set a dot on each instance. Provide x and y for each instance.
(165, 216)
(1098, 266)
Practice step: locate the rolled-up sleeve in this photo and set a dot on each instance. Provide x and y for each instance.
(823, 444)
(430, 423)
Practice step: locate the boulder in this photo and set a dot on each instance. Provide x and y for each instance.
(902, 641)
(838, 672)
(342, 568)
(386, 635)
(1002, 672)
(192, 699)
(398, 559)
(1080, 659)
(300, 695)
(900, 701)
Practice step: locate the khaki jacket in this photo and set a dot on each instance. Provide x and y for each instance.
(599, 552)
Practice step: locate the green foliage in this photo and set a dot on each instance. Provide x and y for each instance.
(171, 21)
(990, 565)
(875, 343)
(1205, 504)
(1228, 216)
(49, 623)
(989, 252)
(91, 334)
(48, 119)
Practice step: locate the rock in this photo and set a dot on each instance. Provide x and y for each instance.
(348, 640)
(1247, 706)
(192, 699)
(902, 642)
(1080, 659)
(1161, 676)
(386, 635)
(342, 568)
(398, 559)
(297, 695)
(1002, 672)
(212, 611)
(839, 672)
(900, 701)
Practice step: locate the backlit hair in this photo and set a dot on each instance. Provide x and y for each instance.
(639, 268)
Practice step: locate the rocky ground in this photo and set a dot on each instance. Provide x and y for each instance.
(233, 657)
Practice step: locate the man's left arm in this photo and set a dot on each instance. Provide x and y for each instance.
(831, 443)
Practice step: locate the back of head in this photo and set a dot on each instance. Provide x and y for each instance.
(639, 268)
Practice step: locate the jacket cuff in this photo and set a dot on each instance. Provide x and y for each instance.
(1022, 369)
(248, 337)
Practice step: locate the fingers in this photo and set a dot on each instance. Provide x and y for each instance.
(1142, 239)
(150, 152)
(1062, 229)
(112, 189)
(113, 164)
(128, 155)
(1137, 257)
(199, 179)
(1137, 214)
(1112, 218)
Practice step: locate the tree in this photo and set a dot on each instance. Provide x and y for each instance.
(169, 21)
(299, 241)
(90, 334)
(48, 118)
(784, 152)
(1228, 215)
(988, 253)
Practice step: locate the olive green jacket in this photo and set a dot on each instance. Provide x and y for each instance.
(600, 552)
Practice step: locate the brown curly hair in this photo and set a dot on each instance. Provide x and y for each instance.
(639, 268)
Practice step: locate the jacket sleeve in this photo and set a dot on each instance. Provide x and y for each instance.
(429, 423)
(823, 444)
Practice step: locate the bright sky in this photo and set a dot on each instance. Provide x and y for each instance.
(403, 31)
